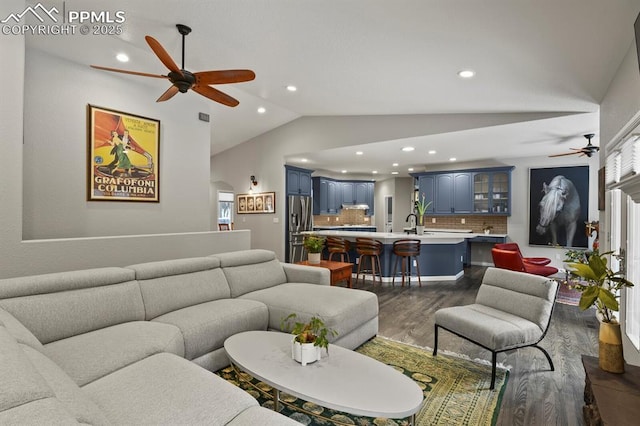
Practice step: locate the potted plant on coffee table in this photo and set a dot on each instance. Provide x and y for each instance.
(310, 338)
(600, 288)
(314, 245)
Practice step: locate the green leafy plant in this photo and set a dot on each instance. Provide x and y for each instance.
(486, 227)
(313, 243)
(313, 331)
(422, 207)
(601, 285)
(576, 256)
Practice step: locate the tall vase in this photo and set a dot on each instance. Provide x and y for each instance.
(610, 357)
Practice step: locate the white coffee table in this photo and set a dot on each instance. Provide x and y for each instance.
(345, 380)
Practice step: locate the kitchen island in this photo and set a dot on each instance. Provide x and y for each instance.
(442, 254)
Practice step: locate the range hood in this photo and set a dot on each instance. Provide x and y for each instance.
(355, 207)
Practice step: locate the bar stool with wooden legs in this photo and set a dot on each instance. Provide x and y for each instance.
(405, 250)
(368, 248)
(338, 246)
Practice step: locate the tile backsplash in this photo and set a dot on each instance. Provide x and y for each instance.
(346, 217)
(473, 222)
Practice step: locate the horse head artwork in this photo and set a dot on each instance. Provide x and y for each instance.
(559, 207)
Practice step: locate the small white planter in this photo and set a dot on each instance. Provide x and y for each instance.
(314, 258)
(419, 230)
(305, 353)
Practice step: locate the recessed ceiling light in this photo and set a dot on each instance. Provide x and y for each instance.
(466, 73)
(452, 159)
(359, 152)
(344, 171)
(375, 172)
(394, 173)
(410, 169)
(291, 88)
(395, 164)
(408, 148)
(304, 160)
(122, 57)
(262, 110)
(432, 152)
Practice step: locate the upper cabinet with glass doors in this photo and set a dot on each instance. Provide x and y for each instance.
(492, 192)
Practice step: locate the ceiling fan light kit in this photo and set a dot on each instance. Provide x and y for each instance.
(182, 80)
(587, 150)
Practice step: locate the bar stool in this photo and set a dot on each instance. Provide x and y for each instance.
(370, 249)
(338, 246)
(404, 250)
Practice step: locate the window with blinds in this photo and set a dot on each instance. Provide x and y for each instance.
(623, 162)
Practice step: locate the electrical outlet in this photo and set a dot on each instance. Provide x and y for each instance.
(433, 220)
(328, 219)
(415, 263)
(276, 220)
(337, 219)
(463, 221)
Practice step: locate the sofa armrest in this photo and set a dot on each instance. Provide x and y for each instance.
(306, 274)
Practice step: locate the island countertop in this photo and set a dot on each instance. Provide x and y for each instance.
(390, 237)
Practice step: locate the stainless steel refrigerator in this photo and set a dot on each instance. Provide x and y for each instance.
(300, 215)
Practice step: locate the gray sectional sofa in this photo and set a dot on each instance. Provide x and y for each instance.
(138, 345)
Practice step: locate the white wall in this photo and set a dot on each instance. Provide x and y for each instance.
(55, 154)
(618, 108)
(18, 257)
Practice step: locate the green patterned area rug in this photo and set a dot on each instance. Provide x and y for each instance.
(456, 390)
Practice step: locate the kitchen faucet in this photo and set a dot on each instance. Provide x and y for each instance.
(413, 221)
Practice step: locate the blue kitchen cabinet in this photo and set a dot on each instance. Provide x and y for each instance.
(326, 196)
(492, 192)
(453, 193)
(476, 191)
(298, 181)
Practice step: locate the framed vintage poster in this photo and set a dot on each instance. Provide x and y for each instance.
(263, 202)
(122, 156)
(559, 206)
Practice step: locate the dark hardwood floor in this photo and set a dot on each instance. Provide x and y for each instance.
(534, 395)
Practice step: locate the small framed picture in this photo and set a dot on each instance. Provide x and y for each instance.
(263, 202)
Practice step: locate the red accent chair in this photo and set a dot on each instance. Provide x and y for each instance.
(514, 247)
(509, 259)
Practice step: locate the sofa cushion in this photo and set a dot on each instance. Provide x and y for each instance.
(492, 328)
(62, 314)
(251, 270)
(20, 381)
(174, 284)
(342, 309)
(206, 326)
(167, 389)
(524, 295)
(92, 355)
(76, 402)
(18, 331)
(46, 411)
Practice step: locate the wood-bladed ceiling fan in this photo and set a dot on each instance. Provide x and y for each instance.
(183, 80)
(587, 150)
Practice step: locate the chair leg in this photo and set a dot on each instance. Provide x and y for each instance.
(547, 355)
(493, 370)
(395, 269)
(435, 340)
(379, 269)
(358, 271)
(418, 272)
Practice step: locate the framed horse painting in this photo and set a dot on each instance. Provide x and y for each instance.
(559, 206)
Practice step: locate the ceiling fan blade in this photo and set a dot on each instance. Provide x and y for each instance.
(143, 74)
(170, 93)
(215, 95)
(224, 76)
(568, 153)
(162, 54)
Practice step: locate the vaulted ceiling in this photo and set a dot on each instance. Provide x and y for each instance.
(552, 59)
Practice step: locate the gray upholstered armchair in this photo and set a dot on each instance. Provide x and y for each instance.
(512, 310)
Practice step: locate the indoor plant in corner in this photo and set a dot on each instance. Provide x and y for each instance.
(310, 338)
(600, 288)
(314, 245)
